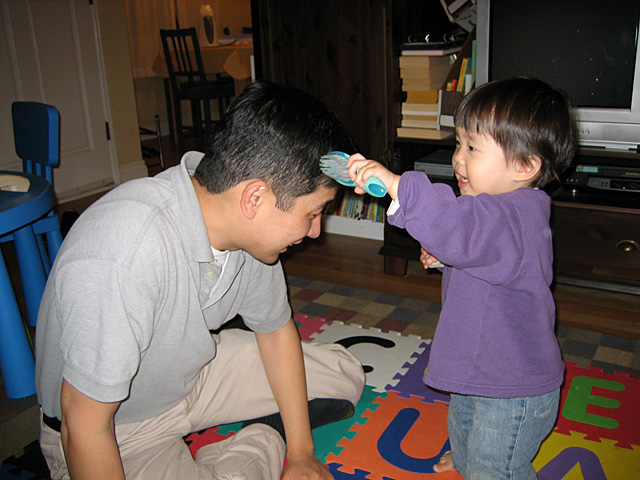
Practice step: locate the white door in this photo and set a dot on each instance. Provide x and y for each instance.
(50, 54)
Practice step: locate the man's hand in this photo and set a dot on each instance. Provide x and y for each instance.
(360, 169)
(88, 436)
(305, 467)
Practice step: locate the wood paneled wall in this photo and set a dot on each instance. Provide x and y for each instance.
(345, 52)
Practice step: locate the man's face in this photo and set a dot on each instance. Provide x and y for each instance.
(277, 230)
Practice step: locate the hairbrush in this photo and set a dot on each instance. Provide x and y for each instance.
(334, 165)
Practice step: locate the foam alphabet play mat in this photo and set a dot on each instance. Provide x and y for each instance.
(399, 429)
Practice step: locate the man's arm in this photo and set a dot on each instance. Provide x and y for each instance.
(88, 436)
(281, 354)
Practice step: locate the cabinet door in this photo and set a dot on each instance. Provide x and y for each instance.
(597, 245)
(339, 52)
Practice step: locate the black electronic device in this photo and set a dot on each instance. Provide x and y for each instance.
(604, 177)
(436, 165)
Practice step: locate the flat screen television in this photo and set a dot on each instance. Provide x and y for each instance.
(588, 48)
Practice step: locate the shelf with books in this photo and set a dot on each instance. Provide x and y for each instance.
(464, 64)
(412, 143)
(355, 215)
(349, 204)
(353, 228)
(422, 77)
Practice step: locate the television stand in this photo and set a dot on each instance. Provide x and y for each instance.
(597, 239)
(596, 232)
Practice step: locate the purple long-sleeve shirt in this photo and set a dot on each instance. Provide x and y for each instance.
(495, 337)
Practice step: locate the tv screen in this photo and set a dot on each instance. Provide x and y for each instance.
(587, 49)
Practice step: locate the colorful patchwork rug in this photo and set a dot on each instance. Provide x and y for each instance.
(399, 430)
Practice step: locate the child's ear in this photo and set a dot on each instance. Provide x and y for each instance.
(528, 171)
(252, 197)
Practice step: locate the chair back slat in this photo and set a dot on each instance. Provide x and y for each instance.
(36, 133)
(188, 82)
(184, 60)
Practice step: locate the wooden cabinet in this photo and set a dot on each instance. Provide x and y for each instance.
(399, 246)
(596, 245)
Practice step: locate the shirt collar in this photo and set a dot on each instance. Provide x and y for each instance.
(188, 214)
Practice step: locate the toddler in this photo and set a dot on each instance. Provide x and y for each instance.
(494, 348)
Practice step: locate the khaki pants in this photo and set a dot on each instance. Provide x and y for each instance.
(231, 388)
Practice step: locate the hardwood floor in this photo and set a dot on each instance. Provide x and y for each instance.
(355, 262)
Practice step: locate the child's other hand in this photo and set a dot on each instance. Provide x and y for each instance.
(427, 259)
(360, 169)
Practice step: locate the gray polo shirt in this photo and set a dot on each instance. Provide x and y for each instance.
(133, 293)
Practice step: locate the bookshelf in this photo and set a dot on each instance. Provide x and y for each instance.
(355, 215)
(434, 85)
(353, 228)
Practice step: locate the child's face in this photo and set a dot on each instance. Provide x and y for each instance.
(481, 167)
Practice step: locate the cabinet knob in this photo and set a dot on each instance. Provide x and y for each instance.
(628, 245)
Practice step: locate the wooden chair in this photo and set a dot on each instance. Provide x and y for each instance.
(188, 81)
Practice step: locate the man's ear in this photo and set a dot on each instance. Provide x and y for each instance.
(253, 197)
(526, 172)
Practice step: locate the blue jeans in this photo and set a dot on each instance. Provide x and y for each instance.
(497, 438)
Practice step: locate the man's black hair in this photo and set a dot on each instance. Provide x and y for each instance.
(276, 134)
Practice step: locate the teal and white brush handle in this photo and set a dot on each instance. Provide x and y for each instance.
(334, 165)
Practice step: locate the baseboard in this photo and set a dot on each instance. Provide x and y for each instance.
(127, 172)
(85, 190)
(353, 227)
(133, 170)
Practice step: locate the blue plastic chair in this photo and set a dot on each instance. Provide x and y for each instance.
(36, 132)
(18, 213)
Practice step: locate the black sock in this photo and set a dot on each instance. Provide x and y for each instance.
(322, 411)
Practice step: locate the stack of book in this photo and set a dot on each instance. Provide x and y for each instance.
(422, 72)
(466, 77)
(359, 207)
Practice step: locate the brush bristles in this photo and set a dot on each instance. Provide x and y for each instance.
(335, 167)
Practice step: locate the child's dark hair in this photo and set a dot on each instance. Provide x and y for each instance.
(276, 134)
(525, 117)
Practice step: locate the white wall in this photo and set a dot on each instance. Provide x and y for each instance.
(149, 90)
(74, 56)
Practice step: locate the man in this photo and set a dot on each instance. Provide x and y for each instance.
(125, 361)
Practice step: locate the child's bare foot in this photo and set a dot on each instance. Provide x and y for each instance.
(445, 464)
